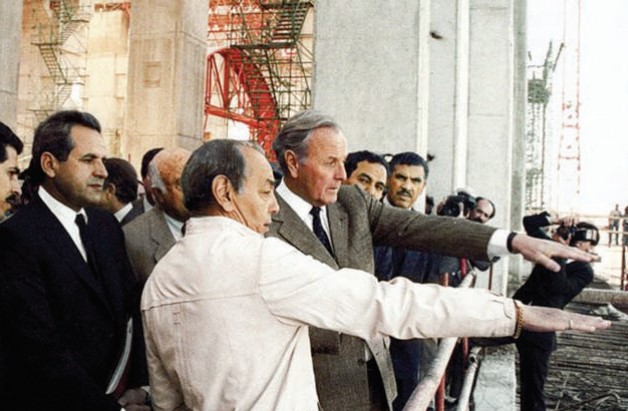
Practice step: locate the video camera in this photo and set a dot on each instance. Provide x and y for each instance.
(579, 232)
(451, 208)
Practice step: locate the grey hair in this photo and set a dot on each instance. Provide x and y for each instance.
(295, 133)
(214, 158)
(155, 177)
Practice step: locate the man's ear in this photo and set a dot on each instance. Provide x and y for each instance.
(223, 192)
(49, 164)
(292, 163)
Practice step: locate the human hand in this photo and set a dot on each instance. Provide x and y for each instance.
(541, 251)
(135, 407)
(134, 399)
(543, 319)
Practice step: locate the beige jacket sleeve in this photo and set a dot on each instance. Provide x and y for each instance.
(354, 302)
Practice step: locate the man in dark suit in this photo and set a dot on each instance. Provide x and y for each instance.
(545, 289)
(339, 225)
(152, 234)
(10, 147)
(120, 190)
(145, 202)
(67, 290)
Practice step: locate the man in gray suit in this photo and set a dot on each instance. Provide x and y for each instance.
(152, 234)
(339, 225)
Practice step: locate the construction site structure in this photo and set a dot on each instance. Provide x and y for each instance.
(60, 33)
(552, 150)
(259, 65)
(539, 136)
(569, 164)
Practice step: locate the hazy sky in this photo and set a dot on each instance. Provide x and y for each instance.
(603, 93)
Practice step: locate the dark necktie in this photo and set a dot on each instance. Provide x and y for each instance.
(88, 244)
(319, 231)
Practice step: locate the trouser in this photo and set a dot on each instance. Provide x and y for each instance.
(533, 366)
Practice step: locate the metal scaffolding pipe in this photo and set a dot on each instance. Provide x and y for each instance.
(469, 378)
(424, 392)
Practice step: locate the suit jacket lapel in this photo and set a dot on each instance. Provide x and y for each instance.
(338, 226)
(161, 236)
(294, 231)
(60, 241)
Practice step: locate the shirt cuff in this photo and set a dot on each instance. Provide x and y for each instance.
(497, 245)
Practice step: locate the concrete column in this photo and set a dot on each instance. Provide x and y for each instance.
(449, 85)
(491, 111)
(517, 205)
(371, 71)
(10, 40)
(166, 75)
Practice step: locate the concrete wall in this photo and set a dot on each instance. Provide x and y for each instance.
(10, 41)
(367, 74)
(449, 84)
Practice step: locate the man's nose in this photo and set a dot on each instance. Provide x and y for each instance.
(341, 173)
(100, 170)
(15, 186)
(274, 205)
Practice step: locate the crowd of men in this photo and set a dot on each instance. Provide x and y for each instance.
(222, 288)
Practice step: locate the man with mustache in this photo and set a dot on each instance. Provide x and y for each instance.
(67, 289)
(10, 147)
(407, 179)
(405, 183)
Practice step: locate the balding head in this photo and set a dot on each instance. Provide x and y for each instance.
(165, 172)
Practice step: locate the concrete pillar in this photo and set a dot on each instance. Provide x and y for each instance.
(166, 75)
(491, 112)
(517, 207)
(449, 92)
(371, 71)
(10, 40)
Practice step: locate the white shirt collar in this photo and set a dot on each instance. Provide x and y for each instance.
(121, 213)
(66, 217)
(174, 225)
(302, 208)
(60, 210)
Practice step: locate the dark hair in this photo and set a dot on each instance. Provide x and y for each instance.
(477, 200)
(585, 232)
(214, 158)
(351, 163)
(409, 158)
(53, 135)
(123, 177)
(8, 138)
(294, 134)
(147, 158)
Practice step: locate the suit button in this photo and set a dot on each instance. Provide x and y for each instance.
(361, 362)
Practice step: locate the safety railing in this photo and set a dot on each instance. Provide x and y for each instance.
(432, 385)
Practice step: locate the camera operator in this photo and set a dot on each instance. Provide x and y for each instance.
(548, 289)
(460, 204)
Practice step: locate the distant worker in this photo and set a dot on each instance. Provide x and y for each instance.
(614, 217)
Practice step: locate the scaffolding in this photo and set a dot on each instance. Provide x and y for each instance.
(538, 135)
(60, 34)
(260, 63)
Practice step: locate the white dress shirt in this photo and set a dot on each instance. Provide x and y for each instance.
(302, 208)
(66, 217)
(226, 311)
(121, 213)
